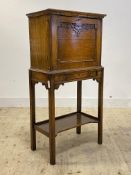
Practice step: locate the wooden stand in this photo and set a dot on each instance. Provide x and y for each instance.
(53, 126)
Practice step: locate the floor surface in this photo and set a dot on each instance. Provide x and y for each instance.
(76, 154)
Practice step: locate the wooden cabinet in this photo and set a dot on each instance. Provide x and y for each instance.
(62, 40)
(65, 46)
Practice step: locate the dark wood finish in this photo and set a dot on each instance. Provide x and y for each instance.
(66, 13)
(65, 46)
(51, 126)
(39, 42)
(79, 96)
(64, 76)
(70, 35)
(100, 108)
(32, 112)
(68, 41)
(66, 122)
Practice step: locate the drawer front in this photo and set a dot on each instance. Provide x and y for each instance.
(76, 42)
(75, 76)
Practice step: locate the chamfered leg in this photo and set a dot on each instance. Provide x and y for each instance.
(100, 108)
(32, 112)
(79, 101)
(51, 96)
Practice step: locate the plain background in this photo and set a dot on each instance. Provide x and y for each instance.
(15, 56)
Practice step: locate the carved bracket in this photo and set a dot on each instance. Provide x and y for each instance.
(47, 85)
(58, 85)
(98, 78)
(34, 82)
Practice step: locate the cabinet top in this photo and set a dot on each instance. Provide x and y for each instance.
(66, 13)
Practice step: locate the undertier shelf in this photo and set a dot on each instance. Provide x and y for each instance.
(65, 122)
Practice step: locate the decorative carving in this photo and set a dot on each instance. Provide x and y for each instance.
(98, 78)
(34, 82)
(46, 85)
(77, 28)
(58, 85)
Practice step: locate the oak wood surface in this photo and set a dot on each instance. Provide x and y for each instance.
(39, 42)
(66, 122)
(65, 46)
(51, 126)
(32, 112)
(65, 42)
(100, 108)
(79, 104)
(66, 13)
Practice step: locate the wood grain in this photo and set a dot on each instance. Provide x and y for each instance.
(65, 46)
(39, 42)
(64, 42)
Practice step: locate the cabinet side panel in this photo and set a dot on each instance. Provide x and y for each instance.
(39, 42)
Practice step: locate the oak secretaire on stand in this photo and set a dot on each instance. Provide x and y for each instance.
(65, 46)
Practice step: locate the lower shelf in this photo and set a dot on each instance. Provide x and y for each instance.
(66, 122)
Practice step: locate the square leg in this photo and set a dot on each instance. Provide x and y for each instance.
(100, 108)
(32, 113)
(51, 96)
(79, 100)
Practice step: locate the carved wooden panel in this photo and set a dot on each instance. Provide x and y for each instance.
(77, 42)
